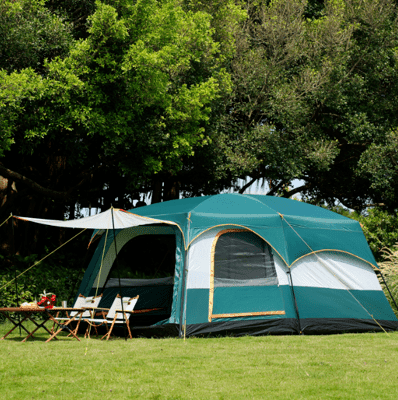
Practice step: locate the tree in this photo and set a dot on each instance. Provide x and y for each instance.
(315, 94)
(130, 100)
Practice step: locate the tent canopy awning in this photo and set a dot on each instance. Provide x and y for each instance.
(121, 219)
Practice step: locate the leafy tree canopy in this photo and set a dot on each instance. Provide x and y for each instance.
(315, 98)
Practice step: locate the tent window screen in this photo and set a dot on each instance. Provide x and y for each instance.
(243, 259)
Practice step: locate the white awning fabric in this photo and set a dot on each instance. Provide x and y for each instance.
(122, 219)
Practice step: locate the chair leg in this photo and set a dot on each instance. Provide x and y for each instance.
(108, 334)
(76, 329)
(128, 325)
(52, 329)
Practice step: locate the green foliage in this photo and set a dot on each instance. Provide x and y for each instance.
(379, 226)
(17, 89)
(60, 280)
(389, 269)
(381, 230)
(322, 77)
(29, 34)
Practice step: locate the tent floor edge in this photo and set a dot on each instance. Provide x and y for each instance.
(285, 326)
(325, 326)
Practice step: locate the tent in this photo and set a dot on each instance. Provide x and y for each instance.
(240, 264)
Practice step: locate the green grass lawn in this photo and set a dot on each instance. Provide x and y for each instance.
(350, 366)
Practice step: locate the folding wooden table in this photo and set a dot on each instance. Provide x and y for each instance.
(28, 312)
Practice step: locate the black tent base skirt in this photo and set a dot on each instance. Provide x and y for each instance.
(269, 327)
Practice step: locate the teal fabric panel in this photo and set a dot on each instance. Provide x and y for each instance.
(288, 301)
(336, 303)
(95, 264)
(228, 300)
(197, 306)
(233, 204)
(178, 283)
(91, 270)
(296, 208)
(109, 243)
(306, 234)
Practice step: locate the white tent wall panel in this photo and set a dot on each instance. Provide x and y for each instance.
(281, 270)
(124, 236)
(199, 256)
(333, 270)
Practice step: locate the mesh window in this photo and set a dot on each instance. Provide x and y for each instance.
(243, 259)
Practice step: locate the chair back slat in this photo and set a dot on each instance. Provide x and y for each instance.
(90, 302)
(79, 303)
(82, 302)
(128, 305)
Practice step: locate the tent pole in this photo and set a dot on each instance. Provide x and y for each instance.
(118, 272)
(15, 271)
(289, 272)
(180, 334)
(183, 314)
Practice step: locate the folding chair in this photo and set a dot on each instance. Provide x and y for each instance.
(115, 315)
(81, 302)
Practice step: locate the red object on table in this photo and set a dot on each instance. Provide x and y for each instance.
(47, 301)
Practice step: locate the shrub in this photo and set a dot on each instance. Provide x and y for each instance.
(62, 281)
(389, 269)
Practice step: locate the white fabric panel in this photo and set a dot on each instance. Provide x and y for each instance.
(281, 270)
(335, 271)
(200, 259)
(122, 219)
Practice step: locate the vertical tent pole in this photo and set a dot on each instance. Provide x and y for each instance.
(15, 271)
(118, 272)
(289, 272)
(183, 313)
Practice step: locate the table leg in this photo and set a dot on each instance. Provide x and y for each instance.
(42, 325)
(16, 324)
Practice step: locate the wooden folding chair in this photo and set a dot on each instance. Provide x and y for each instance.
(81, 302)
(115, 315)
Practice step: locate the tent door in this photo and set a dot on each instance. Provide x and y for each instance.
(243, 280)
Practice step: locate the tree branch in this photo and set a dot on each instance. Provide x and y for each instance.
(275, 189)
(291, 193)
(34, 185)
(243, 188)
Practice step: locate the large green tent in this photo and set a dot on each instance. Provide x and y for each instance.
(245, 264)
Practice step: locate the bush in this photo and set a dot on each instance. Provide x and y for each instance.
(62, 281)
(379, 227)
(389, 269)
